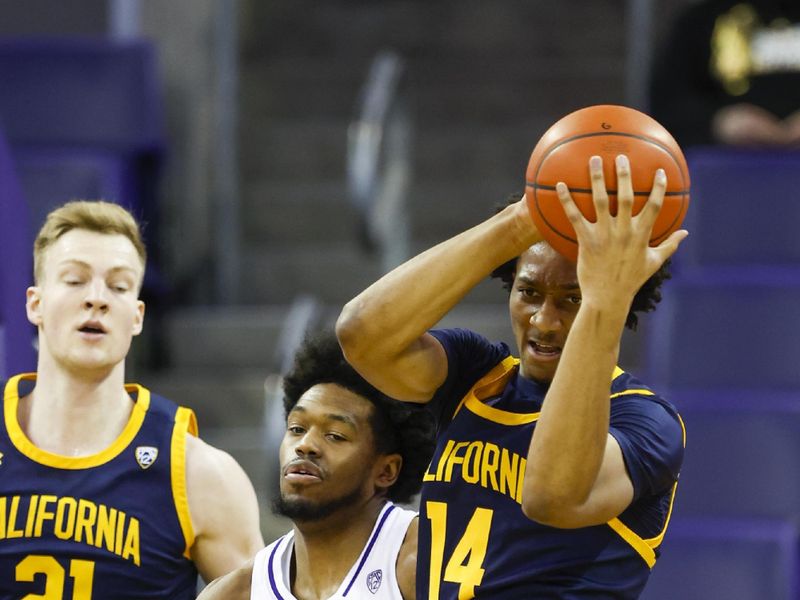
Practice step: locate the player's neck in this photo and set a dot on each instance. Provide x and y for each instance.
(75, 414)
(325, 553)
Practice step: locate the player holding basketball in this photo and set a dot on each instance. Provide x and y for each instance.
(347, 453)
(554, 473)
(106, 493)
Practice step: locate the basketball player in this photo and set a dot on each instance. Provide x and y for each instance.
(106, 493)
(347, 454)
(554, 472)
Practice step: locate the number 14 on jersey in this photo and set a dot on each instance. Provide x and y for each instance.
(465, 566)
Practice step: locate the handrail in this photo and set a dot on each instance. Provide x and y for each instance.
(378, 159)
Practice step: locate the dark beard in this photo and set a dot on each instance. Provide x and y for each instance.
(306, 510)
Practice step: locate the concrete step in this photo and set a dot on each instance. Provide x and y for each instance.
(440, 208)
(311, 29)
(334, 273)
(226, 339)
(219, 397)
(314, 29)
(297, 212)
(285, 86)
(299, 147)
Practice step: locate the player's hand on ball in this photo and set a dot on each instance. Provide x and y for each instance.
(614, 257)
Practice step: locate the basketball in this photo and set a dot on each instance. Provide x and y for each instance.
(563, 152)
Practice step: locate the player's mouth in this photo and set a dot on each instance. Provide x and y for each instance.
(92, 330)
(302, 471)
(544, 352)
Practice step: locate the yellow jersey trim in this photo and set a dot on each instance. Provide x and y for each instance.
(631, 392)
(641, 546)
(646, 547)
(58, 461)
(490, 385)
(185, 422)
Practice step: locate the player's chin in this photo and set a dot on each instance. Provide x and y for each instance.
(540, 369)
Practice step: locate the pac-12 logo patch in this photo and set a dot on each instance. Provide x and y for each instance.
(374, 580)
(146, 456)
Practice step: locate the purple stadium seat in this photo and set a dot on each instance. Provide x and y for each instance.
(730, 559)
(727, 327)
(743, 208)
(89, 96)
(51, 177)
(16, 333)
(742, 453)
(81, 92)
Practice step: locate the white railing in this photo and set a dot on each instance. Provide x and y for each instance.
(379, 161)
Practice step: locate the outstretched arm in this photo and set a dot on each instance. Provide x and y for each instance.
(575, 475)
(383, 330)
(224, 510)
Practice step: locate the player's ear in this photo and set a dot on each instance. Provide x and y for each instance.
(138, 321)
(33, 305)
(387, 470)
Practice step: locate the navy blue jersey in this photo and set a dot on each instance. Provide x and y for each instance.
(475, 541)
(110, 526)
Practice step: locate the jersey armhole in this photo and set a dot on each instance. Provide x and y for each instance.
(185, 422)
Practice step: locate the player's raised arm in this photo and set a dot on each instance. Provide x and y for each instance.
(383, 330)
(575, 474)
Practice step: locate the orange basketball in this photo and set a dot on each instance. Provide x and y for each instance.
(563, 153)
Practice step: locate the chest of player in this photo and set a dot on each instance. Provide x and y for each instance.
(91, 528)
(474, 537)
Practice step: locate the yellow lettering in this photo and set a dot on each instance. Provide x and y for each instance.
(509, 461)
(12, 531)
(520, 478)
(118, 539)
(64, 525)
(106, 523)
(443, 460)
(473, 475)
(3, 518)
(42, 514)
(132, 541)
(86, 517)
(491, 456)
(454, 459)
(31, 514)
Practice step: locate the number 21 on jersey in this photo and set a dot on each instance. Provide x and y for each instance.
(81, 571)
(465, 565)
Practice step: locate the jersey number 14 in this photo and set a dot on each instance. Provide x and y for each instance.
(465, 566)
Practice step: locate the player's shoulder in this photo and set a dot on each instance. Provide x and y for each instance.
(629, 391)
(207, 463)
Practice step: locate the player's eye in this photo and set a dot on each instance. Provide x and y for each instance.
(526, 291)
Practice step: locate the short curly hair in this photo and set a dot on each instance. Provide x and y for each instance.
(398, 427)
(645, 299)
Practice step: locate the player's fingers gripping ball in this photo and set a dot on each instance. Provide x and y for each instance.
(563, 154)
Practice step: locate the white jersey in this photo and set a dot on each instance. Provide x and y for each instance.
(372, 576)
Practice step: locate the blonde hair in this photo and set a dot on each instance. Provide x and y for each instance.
(92, 215)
